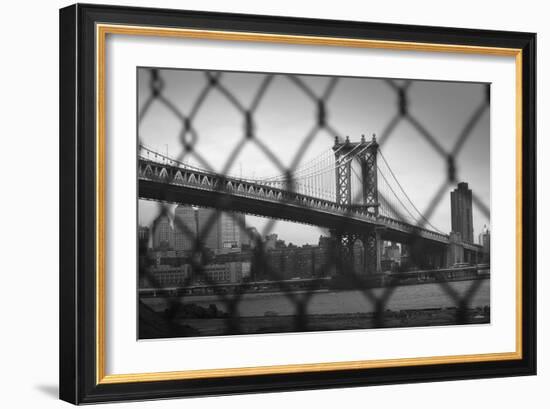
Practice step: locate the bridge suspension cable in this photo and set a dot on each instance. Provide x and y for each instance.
(405, 193)
(312, 164)
(317, 177)
(390, 206)
(394, 209)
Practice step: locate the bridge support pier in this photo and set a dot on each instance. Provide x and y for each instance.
(455, 251)
(372, 244)
(344, 251)
(434, 259)
(349, 261)
(442, 258)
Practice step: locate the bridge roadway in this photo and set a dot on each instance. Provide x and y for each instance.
(192, 186)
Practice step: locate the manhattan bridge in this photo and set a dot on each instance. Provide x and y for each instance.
(349, 189)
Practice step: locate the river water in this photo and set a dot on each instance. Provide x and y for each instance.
(419, 296)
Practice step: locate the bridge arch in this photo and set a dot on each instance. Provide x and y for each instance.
(148, 171)
(163, 174)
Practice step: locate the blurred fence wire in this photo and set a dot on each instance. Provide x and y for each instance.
(170, 319)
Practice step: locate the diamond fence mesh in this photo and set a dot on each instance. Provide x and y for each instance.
(166, 295)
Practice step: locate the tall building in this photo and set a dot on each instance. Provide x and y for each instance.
(485, 241)
(220, 231)
(143, 235)
(163, 235)
(209, 229)
(185, 227)
(461, 212)
(231, 231)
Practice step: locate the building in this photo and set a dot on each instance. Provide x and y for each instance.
(485, 239)
(166, 276)
(163, 234)
(143, 236)
(326, 241)
(461, 212)
(271, 241)
(238, 270)
(220, 232)
(392, 251)
(250, 238)
(185, 228)
(213, 274)
(238, 263)
(208, 228)
(169, 257)
(285, 263)
(485, 242)
(231, 231)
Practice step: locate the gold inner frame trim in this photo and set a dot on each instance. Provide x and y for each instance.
(101, 33)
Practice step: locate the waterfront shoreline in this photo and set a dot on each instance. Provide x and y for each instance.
(409, 282)
(430, 317)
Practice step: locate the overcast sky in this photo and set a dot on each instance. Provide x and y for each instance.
(357, 106)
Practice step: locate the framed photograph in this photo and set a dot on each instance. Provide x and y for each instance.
(258, 203)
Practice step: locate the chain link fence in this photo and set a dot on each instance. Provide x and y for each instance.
(168, 306)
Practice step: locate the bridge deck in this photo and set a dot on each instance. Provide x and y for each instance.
(177, 184)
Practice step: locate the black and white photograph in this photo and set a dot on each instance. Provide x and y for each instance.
(261, 204)
(274, 203)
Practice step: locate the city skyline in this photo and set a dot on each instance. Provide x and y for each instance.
(481, 238)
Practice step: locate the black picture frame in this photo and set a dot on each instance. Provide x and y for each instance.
(78, 309)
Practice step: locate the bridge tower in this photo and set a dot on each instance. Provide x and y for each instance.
(369, 173)
(342, 151)
(366, 154)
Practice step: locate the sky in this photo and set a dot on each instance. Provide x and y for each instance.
(286, 114)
